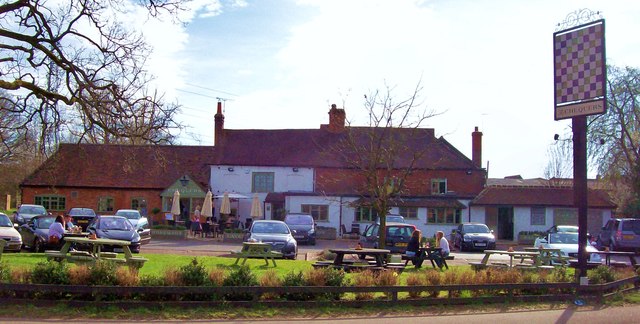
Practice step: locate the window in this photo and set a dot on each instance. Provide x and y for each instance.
(51, 202)
(319, 212)
(366, 214)
(444, 216)
(438, 186)
(138, 203)
(408, 212)
(262, 182)
(537, 216)
(105, 204)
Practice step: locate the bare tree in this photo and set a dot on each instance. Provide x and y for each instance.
(559, 164)
(383, 155)
(614, 137)
(67, 61)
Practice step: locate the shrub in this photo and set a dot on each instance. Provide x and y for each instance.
(295, 279)
(20, 275)
(5, 272)
(560, 274)
(433, 278)
(193, 274)
(55, 273)
(103, 273)
(172, 277)
(151, 281)
(364, 279)
(79, 275)
(270, 279)
(601, 274)
(216, 277)
(240, 277)
(416, 279)
(126, 276)
(335, 278)
(387, 278)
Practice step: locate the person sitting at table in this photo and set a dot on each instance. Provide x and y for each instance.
(68, 222)
(443, 244)
(195, 222)
(56, 232)
(413, 248)
(204, 225)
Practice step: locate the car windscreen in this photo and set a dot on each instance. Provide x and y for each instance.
(115, 223)
(563, 238)
(35, 210)
(395, 231)
(45, 222)
(269, 228)
(82, 212)
(128, 214)
(476, 229)
(631, 226)
(5, 222)
(395, 219)
(299, 220)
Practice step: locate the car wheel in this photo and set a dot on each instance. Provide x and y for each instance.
(38, 245)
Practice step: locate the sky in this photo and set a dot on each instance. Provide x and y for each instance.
(280, 64)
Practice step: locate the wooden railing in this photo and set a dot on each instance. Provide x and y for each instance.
(250, 295)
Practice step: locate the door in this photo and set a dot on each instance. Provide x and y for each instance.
(505, 223)
(278, 211)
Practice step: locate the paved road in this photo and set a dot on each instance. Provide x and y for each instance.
(587, 314)
(211, 246)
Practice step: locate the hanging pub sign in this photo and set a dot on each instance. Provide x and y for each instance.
(580, 71)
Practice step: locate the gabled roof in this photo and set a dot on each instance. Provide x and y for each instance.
(311, 148)
(538, 196)
(123, 166)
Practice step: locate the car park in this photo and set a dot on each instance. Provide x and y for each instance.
(303, 227)
(138, 221)
(82, 216)
(25, 212)
(116, 228)
(9, 233)
(35, 233)
(396, 240)
(276, 233)
(567, 242)
(474, 236)
(620, 234)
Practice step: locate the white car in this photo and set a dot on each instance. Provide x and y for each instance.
(567, 242)
(9, 234)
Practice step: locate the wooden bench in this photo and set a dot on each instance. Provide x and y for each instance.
(477, 265)
(133, 261)
(55, 255)
(108, 255)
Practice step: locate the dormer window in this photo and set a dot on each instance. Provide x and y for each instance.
(438, 186)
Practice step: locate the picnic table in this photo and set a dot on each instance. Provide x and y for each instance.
(256, 250)
(379, 261)
(95, 253)
(549, 255)
(427, 253)
(521, 255)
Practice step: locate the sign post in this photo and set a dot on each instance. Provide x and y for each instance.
(580, 91)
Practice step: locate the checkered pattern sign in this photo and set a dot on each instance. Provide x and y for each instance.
(579, 60)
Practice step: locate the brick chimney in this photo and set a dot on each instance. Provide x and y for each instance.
(476, 148)
(337, 118)
(219, 126)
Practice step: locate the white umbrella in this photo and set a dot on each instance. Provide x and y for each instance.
(175, 206)
(206, 206)
(256, 209)
(225, 207)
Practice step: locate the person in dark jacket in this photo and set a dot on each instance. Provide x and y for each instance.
(413, 248)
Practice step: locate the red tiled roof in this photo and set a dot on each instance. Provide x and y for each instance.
(310, 148)
(123, 166)
(530, 196)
